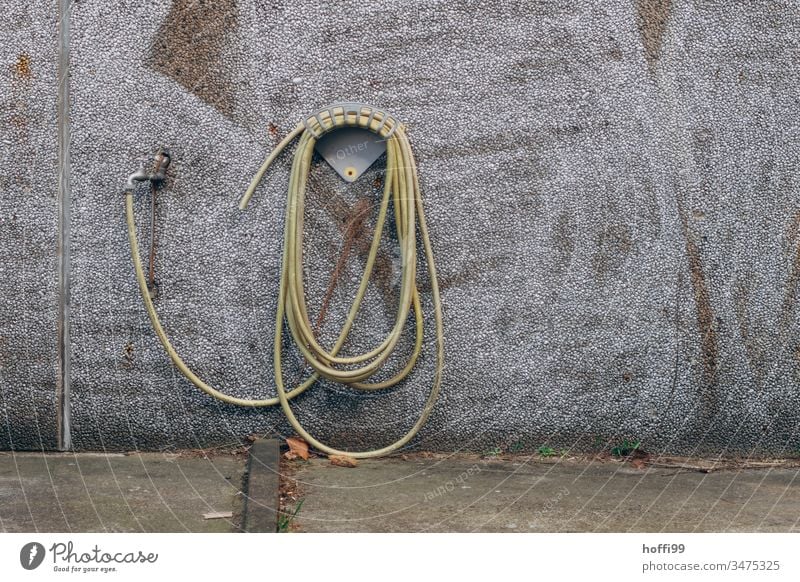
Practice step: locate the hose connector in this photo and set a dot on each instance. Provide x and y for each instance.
(156, 177)
(139, 175)
(163, 158)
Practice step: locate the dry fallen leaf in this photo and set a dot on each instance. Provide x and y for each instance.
(297, 447)
(343, 461)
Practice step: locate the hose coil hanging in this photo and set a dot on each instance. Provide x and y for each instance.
(401, 186)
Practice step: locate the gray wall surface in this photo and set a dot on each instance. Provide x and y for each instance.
(611, 189)
(29, 369)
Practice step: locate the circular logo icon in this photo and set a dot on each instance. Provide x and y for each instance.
(31, 555)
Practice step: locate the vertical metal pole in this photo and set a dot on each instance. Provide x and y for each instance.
(64, 199)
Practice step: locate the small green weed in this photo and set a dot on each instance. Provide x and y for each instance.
(286, 518)
(625, 448)
(545, 451)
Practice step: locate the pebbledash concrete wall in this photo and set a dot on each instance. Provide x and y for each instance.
(612, 190)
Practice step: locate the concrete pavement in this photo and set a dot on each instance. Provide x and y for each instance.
(171, 492)
(137, 492)
(534, 495)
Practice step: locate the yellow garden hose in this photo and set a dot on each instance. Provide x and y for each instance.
(402, 188)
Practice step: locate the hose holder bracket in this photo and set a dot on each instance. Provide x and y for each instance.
(351, 114)
(351, 136)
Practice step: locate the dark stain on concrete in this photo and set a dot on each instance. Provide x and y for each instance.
(190, 46)
(506, 318)
(792, 228)
(564, 241)
(469, 273)
(651, 18)
(651, 207)
(787, 313)
(793, 243)
(706, 322)
(702, 137)
(614, 243)
(741, 295)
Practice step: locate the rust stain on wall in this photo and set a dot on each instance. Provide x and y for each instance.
(563, 241)
(189, 48)
(15, 116)
(22, 67)
(353, 228)
(358, 236)
(652, 17)
(352, 221)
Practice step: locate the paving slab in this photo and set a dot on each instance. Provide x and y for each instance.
(465, 495)
(140, 492)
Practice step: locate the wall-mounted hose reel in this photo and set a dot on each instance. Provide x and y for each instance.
(401, 188)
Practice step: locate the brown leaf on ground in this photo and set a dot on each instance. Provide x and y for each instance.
(343, 461)
(298, 447)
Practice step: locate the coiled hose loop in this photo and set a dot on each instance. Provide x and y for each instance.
(402, 188)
